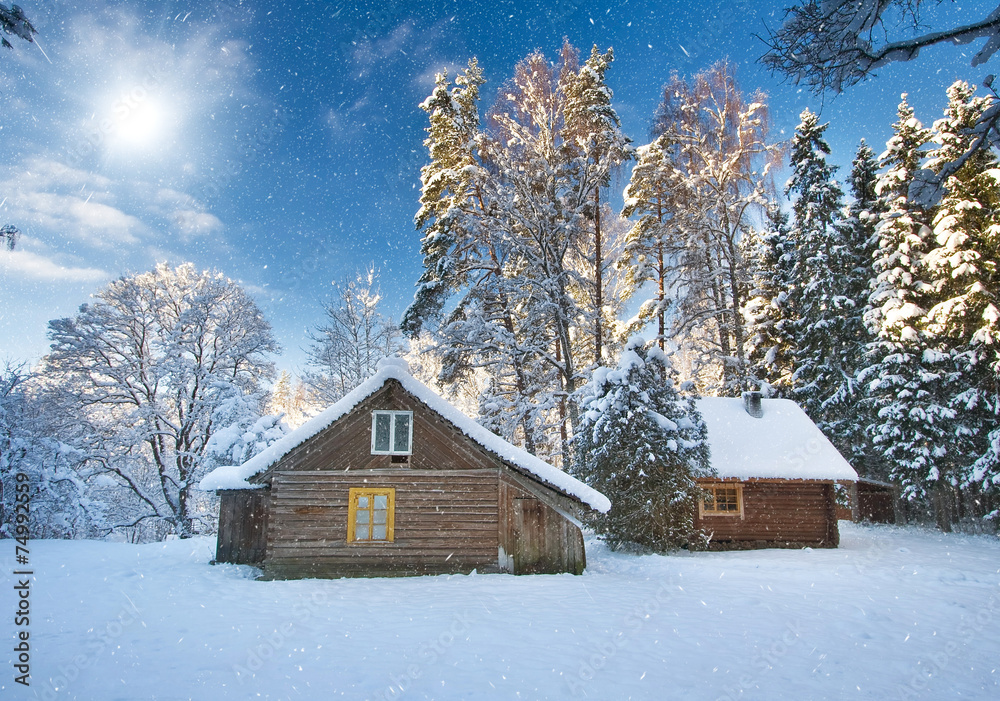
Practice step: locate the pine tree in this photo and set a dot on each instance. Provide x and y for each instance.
(860, 246)
(965, 280)
(908, 374)
(823, 355)
(771, 258)
(650, 242)
(14, 22)
(642, 445)
(512, 216)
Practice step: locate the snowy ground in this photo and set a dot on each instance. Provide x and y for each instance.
(894, 613)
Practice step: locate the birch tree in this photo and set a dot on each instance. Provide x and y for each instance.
(712, 140)
(355, 336)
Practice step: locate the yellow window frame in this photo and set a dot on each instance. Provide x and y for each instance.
(363, 500)
(721, 499)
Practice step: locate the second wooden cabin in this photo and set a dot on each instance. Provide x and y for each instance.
(393, 480)
(776, 475)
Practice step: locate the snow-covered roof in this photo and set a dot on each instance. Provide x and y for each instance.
(784, 443)
(237, 476)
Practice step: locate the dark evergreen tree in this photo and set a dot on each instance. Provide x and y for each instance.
(823, 374)
(14, 23)
(860, 245)
(642, 445)
(771, 257)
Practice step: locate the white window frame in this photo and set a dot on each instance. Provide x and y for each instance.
(392, 432)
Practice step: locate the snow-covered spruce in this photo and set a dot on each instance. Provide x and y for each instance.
(770, 256)
(907, 376)
(642, 445)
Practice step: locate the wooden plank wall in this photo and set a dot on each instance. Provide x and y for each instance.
(445, 521)
(784, 513)
(537, 538)
(242, 537)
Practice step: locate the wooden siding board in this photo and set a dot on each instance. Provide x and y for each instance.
(541, 540)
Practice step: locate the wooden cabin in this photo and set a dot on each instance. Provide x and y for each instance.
(775, 476)
(393, 480)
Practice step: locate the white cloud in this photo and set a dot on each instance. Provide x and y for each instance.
(193, 223)
(30, 265)
(73, 216)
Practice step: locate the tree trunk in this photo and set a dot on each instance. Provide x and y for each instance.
(598, 278)
(943, 506)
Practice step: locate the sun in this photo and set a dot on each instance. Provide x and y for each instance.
(137, 123)
(142, 125)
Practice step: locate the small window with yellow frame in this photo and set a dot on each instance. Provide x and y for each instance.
(371, 515)
(723, 499)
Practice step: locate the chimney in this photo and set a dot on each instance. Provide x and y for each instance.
(751, 402)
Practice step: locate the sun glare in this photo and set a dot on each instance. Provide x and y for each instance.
(139, 123)
(142, 125)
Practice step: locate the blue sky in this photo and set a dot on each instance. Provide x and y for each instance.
(281, 142)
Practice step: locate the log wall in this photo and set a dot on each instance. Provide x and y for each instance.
(779, 513)
(445, 522)
(876, 503)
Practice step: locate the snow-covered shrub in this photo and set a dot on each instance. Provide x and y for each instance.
(642, 445)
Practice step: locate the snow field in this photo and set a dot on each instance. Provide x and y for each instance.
(894, 613)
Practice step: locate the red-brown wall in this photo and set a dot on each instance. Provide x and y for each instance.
(777, 513)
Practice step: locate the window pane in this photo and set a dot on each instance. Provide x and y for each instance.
(381, 501)
(379, 516)
(361, 517)
(383, 427)
(378, 533)
(362, 502)
(401, 439)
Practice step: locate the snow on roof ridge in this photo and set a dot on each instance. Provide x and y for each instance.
(237, 476)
